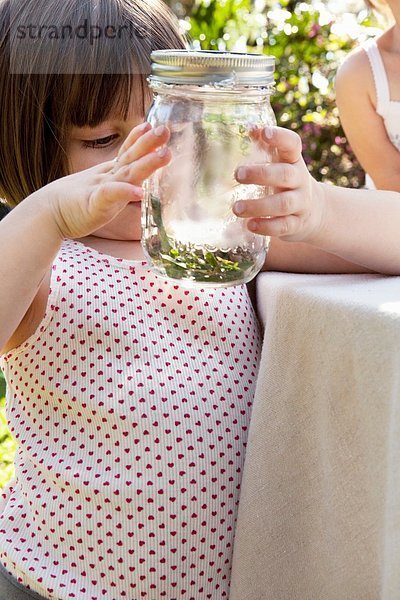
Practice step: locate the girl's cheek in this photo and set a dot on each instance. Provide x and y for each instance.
(85, 158)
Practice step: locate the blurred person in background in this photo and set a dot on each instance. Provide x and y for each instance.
(368, 98)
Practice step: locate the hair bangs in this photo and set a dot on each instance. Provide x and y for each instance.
(91, 99)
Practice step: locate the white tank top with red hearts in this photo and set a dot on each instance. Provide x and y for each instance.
(131, 406)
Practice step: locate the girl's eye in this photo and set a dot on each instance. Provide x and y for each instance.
(101, 142)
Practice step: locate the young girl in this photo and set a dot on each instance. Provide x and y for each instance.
(368, 97)
(129, 397)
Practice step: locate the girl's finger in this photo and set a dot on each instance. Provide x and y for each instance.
(279, 175)
(121, 192)
(133, 136)
(277, 205)
(148, 142)
(109, 199)
(139, 170)
(287, 143)
(281, 227)
(255, 134)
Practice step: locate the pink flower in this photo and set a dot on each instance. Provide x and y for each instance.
(315, 29)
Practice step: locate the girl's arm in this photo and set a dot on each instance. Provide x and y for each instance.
(299, 257)
(29, 241)
(357, 226)
(364, 128)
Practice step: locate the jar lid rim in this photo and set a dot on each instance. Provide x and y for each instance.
(204, 66)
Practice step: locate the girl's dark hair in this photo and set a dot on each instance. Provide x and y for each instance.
(69, 63)
(4, 210)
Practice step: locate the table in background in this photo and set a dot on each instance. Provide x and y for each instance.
(319, 515)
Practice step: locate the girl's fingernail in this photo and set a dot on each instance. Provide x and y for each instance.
(162, 153)
(239, 207)
(252, 225)
(144, 126)
(158, 131)
(241, 173)
(268, 133)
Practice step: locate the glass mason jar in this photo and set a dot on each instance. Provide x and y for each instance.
(214, 105)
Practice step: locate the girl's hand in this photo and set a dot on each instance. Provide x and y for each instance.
(294, 211)
(83, 202)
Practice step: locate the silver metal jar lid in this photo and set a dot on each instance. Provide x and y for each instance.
(204, 67)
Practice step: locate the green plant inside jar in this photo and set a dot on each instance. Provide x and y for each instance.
(187, 260)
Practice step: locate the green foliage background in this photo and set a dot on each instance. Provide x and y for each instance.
(7, 444)
(307, 54)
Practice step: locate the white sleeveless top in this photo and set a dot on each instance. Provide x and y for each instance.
(131, 405)
(388, 109)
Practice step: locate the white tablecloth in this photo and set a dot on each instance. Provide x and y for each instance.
(319, 515)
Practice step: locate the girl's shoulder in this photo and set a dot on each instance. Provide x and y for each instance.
(354, 77)
(355, 60)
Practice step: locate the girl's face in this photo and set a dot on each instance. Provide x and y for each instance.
(87, 147)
